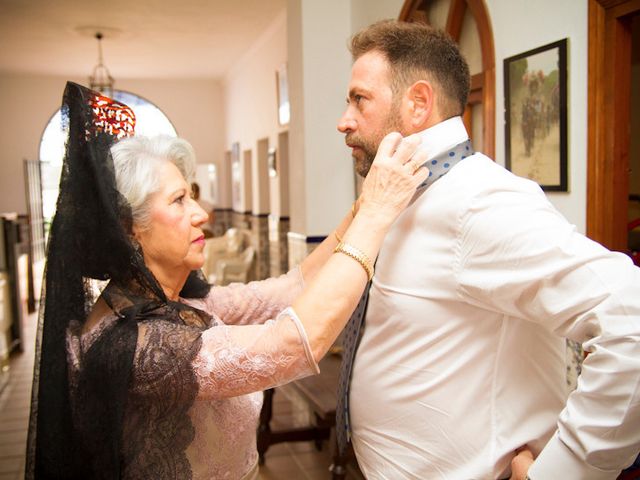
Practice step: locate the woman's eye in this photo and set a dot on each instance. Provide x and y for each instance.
(179, 200)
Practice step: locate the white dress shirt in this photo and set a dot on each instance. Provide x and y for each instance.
(463, 357)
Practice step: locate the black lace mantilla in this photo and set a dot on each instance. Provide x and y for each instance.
(118, 407)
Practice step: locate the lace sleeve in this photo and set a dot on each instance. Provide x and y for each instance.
(163, 357)
(255, 302)
(235, 360)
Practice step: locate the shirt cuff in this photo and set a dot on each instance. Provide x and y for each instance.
(290, 312)
(557, 460)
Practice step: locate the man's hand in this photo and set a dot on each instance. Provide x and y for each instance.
(520, 464)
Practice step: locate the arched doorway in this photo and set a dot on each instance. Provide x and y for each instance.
(150, 120)
(467, 21)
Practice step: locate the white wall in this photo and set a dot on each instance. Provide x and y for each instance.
(512, 36)
(322, 178)
(250, 95)
(366, 12)
(28, 102)
(322, 174)
(194, 106)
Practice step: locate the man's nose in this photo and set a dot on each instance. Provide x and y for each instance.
(346, 123)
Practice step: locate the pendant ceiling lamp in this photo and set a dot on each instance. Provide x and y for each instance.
(101, 80)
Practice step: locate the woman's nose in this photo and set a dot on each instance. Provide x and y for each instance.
(199, 216)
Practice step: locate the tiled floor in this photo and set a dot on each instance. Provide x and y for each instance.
(14, 408)
(285, 461)
(298, 460)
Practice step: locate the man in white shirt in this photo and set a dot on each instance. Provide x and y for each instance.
(476, 287)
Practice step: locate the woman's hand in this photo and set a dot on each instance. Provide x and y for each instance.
(333, 293)
(393, 178)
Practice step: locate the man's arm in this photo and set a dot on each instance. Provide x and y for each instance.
(522, 258)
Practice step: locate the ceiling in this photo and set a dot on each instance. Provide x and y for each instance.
(142, 38)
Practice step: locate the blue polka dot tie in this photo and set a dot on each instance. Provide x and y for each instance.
(350, 344)
(438, 166)
(441, 164)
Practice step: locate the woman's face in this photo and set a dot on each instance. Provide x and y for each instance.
(173, 244)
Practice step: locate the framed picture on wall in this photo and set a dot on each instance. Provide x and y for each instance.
(236, 175)
(535, 88)
(272, 162)
(282, 87)
(212, 174)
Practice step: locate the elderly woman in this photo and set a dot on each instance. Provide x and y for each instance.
(161, 375)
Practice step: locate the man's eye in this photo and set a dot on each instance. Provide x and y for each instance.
(179, 200)
(357, 98)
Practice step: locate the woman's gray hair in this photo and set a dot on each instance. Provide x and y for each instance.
(136, 162)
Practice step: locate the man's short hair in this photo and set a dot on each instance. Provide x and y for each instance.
(415, 52)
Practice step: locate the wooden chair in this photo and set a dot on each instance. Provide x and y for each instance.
(236, 269)
(232, 249)
(319, 392)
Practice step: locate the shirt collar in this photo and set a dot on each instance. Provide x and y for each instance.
(443, 136)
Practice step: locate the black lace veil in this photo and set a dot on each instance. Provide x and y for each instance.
(80, 436)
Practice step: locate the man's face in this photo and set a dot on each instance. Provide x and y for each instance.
(372, 109)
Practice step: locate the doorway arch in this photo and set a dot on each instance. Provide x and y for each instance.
(454, 16)
(150, 120)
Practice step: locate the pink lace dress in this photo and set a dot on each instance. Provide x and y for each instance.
(255, 342)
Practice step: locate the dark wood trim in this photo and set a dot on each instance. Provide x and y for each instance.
(475, 97)
(596, 175)
(479, 11)
(608, 109)
(414, 11)
(477, 81)
(610, 3)
(620, 8)
(485, 32)
(455, 18)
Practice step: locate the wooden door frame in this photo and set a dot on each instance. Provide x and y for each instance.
(609, 87)
(483, 84)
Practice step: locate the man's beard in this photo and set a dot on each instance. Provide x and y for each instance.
(368, 148)
(366, 154)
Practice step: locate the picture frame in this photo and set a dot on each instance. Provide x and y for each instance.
(535, 89)
(236, 175)
(272, 163)
(212, 174)
(282, 90)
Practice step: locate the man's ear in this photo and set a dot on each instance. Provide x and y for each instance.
(421, 104)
